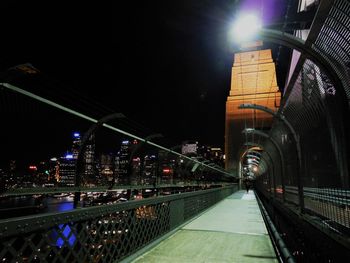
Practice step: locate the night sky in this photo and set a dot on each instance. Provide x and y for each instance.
(166, 65)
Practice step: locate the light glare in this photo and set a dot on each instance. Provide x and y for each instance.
(246, 28)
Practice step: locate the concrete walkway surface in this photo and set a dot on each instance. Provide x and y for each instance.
(231, 231)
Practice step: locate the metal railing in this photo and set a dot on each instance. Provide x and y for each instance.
(100, 234)
(144, 188)
(315, 182)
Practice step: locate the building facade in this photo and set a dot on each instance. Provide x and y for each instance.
(253, 80)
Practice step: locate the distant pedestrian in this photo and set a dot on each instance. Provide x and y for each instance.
(247, 185)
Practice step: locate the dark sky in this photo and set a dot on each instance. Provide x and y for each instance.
(165, 64)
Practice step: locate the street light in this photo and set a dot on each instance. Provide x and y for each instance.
(322, 60)
(253, 30)
(245, 28)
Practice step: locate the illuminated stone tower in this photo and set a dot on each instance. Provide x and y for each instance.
(253, 80)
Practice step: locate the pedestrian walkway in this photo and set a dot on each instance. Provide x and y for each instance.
(231, 231)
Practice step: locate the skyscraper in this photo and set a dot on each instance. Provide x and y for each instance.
(88, 158)
(149, 170)
(66, 170)
(122, 163)
(89, 161)
(106, 169)
(76, 144)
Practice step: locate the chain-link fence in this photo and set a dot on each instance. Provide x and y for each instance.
(313, 135)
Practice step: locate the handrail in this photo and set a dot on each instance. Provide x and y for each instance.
(14, 226)
(277, 240)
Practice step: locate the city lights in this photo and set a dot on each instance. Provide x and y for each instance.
(166, 170)
(252, 98)
(69, 156)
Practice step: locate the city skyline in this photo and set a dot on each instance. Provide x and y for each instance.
(114, 133)
(130, 161)
(167, 67)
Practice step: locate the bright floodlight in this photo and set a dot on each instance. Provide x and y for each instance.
(246, 27)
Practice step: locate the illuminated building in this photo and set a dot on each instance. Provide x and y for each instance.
(128, 164)
(217, 156)
(135, 176)
(167, 167)
(189, 148)
(54, 169)
(67, 170)
(30, 177)
(106, 168)
(149, 171)
(135, 165)
(8, 177)
(167, 173)
(212, 154)
(76, 144)
(122, 163)
(43, 174)
(88, 159)
(14, 177)
(253, 80)
(3, 181)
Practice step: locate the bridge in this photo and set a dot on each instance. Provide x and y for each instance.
(156, 202)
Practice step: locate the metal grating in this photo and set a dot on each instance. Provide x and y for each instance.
(196, 204)
(102, 239)
(333, 40)
(318, 112)
(100, 234)
(313, 110)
